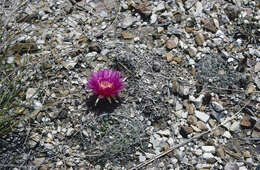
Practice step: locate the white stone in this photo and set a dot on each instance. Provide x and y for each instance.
(30, 92)
(184, 90)
(227, 134)
(202, 116)
(174, 160)
(178, 106)
(207, 155)
(170, 141)
(235, 126)
(230, 60)
(70, 132)
(49, 146)
(166, 132)
(181, 114)
(242, 168)
(200, 166)
(142, 158)
(69, 64)
(197, 101)
(153, 18)
(209, 149)
(227, 125)
(37, 104)
(10, 60)
(199, 8)
(161, 165)
(198, 152)
(149, 155)
(159, 7)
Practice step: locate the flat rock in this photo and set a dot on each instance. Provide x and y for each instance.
(38, 161)
(127, 22)
(165, 132)
(153, 18)
(209, 149)
(207, 155)
(217, 106)
(202, 116)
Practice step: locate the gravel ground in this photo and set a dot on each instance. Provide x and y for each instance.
(191, 100)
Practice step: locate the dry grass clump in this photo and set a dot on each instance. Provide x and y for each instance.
(14, 55)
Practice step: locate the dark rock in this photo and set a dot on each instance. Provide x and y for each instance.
(156, 66)
(95, 46)
(185, 131)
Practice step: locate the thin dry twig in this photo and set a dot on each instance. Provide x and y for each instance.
(141, 165)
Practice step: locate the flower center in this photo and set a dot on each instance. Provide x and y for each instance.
(105, 84)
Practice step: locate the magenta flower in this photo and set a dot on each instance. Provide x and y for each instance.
(105, 83)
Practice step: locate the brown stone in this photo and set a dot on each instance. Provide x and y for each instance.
(193, 71)
(220, 152)
(192, 51)
(127, 35)
(211, 160)
(209, 25)
(202, 126)
(38, 161)
(44, 167)
(247, 121)
(160, 29)
(172, 43)
(175, 86)
(192, 120)
(199, 38)
(230, 47)
(246, 154)
(191, 108)
(250, 88)
(169, 57)
(141, 8)
(177, 59)
(189, 29)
